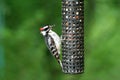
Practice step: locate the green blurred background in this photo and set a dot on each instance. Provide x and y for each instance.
(23, 53)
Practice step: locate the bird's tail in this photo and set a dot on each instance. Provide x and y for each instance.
(56, 54)
(60, 62)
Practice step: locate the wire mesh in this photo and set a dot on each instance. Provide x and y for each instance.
(73, 36)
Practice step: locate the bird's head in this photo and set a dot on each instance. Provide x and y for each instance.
(45, 30)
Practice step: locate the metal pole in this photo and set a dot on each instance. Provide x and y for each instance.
(73, 36)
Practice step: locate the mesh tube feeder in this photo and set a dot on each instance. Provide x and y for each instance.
(73, 36)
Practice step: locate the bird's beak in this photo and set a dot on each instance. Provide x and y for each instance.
(52, 26)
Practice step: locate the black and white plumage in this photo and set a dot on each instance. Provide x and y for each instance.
(52, 41)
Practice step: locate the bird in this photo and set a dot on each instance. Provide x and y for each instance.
(53, 42)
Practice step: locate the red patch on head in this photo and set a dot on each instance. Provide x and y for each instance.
(41, 29)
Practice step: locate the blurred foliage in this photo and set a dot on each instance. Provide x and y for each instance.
(26, 56)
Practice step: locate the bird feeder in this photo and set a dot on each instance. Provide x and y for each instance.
(73, 36)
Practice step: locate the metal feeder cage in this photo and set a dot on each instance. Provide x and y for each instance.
(73, 36)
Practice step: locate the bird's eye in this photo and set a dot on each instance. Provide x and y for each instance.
(46, 29)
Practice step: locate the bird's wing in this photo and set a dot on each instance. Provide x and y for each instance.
(50, 43)
(57, 40)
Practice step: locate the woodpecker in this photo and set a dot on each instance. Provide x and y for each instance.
(52, 41)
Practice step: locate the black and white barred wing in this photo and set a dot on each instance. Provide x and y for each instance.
(56, 39)
(53, 47)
